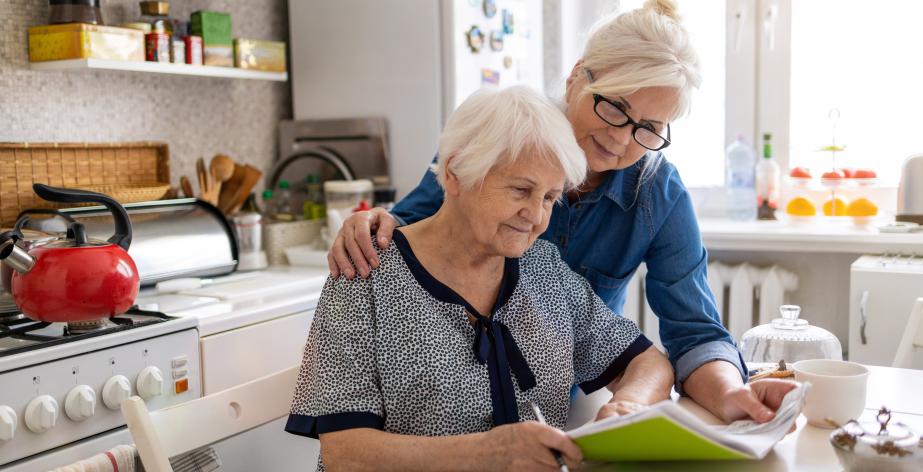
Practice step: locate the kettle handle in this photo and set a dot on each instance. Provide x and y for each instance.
(122, 236)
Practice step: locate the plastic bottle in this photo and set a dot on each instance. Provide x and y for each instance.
(268, 206)
(314, 207)
(283, 202)
(740, 181)
(768, 181)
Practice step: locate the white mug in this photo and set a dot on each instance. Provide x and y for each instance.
(837, 392)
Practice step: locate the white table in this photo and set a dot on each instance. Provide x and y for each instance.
(808, 448)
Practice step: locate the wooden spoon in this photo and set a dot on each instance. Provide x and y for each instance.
(222, 167)
(186, 186)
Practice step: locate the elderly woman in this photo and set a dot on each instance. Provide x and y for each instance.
(434, 360)
(636, 76)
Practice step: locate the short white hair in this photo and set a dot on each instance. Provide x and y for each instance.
(494, 126)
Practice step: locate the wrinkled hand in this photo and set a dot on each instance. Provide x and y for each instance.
(619, 408)
(758, 400)
(527, 446)
(355, 241)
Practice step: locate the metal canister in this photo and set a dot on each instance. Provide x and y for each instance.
(157, 47)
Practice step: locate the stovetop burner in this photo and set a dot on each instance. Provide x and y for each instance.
(20, 334)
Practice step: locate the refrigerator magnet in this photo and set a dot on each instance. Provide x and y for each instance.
(490, 8)
(490, 77)
(507, 62)
(508, 23)
(496, 40)
(475, 38)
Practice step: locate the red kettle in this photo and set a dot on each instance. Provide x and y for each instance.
(73, 278)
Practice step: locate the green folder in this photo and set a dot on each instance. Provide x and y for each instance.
(669, 432)
(653, 439)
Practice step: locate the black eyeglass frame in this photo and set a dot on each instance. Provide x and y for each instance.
(597, 99)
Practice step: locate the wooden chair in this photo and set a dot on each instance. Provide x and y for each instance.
(166, 433)
(912, 338)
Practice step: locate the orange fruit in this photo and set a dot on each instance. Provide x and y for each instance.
(862, 207)
(835, 207)
(800, 206)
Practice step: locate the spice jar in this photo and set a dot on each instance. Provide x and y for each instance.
(881, 447)
(156, 13)
(789, 338)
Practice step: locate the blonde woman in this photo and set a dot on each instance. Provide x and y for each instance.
(636, 76)
(434, 360)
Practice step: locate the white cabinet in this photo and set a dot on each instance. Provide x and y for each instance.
(239, 355)
(881, 296)
(233, 357)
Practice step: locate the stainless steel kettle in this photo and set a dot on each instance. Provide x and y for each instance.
(910, 191)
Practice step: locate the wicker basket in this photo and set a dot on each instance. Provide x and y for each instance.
(279, 235)
(126, 171)
(130, 193)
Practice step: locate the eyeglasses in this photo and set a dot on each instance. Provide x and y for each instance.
(614, 114)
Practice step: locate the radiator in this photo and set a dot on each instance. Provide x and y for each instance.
(746, 296)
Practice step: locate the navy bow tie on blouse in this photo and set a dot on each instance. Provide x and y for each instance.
(494, 345)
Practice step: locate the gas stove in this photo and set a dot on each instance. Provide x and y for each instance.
(63, 384)
(20, 334)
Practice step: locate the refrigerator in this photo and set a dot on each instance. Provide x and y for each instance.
(409, 61)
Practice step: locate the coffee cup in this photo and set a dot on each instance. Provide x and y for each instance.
(837, 392)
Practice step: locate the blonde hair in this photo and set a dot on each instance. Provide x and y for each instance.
(647, 47)
(493, 127)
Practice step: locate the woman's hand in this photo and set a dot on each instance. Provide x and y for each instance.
(619, 408)
(527, 446)
(355, 241)
(758, 400)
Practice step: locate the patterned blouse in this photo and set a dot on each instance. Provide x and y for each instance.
(397, 352)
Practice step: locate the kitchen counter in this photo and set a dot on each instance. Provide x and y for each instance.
(813, 236)
(240, 300)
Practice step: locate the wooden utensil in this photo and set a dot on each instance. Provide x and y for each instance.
(251, 177)
(222, 168)
(186, 186)
(208, 190)
(229, 189)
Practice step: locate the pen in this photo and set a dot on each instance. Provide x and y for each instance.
(562, 467)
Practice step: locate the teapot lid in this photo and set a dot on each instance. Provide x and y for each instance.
(880, 440)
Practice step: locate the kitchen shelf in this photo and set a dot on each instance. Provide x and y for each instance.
(782, 236)
(160, 68)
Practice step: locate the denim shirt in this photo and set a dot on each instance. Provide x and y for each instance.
(608, 232)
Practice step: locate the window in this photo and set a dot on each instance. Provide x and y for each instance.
(698, 140)
(863, 59)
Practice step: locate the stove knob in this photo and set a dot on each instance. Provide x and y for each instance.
(8, 422)
(41, 413)
(80, 403)
(115, 390)
(150, 383)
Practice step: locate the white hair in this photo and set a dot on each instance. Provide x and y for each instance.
(646, 47)
(495, 126)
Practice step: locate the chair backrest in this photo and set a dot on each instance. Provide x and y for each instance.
(912, 338)
(171, 431)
